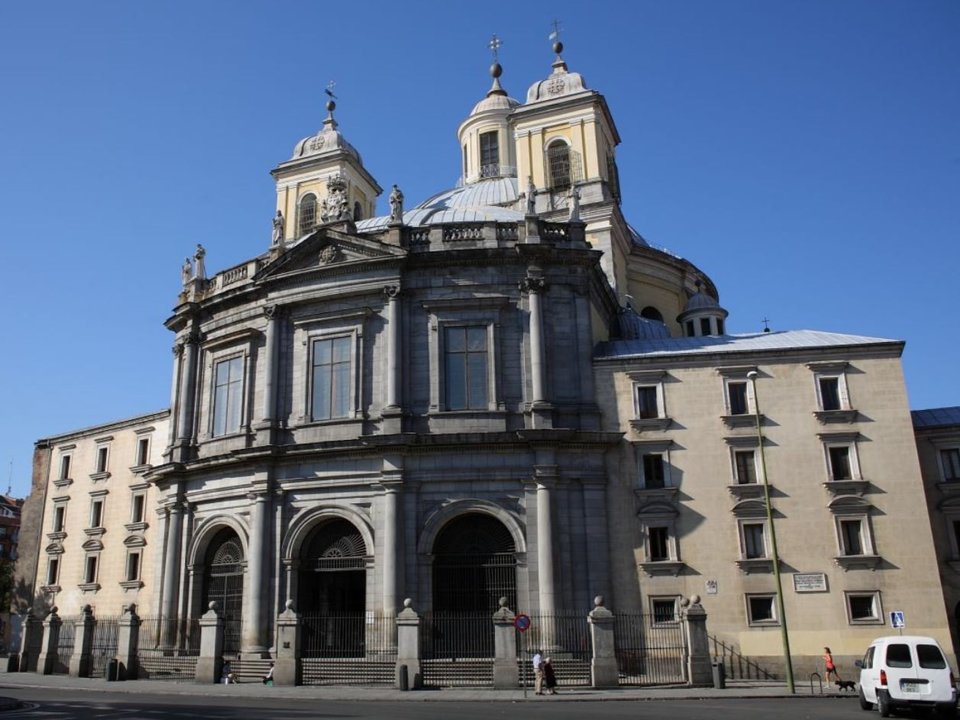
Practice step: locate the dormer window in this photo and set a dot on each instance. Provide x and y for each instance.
(558, 165)
(307, 214)
(489, 154)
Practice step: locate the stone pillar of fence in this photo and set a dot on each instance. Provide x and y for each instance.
(408, 647)
(82, 643)
(31, 642)
(603, 666)
(49, 654)
(505, 673)
(128, 641)
(287, 667)
(699, 671)
(210, 662)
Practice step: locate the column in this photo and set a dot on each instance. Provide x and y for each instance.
(390, 502)
(546, 477)
(188, 381)
(172, 433)
(256, 586)
(268, 411)
(534, 287)
(171, 576)
(393, 346)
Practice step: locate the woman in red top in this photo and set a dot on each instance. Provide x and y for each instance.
(829, 667)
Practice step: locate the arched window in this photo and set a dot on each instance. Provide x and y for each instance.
(651, 313)
(357, 212)
(558, 165)
(307, 214)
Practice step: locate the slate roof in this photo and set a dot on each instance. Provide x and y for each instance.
(772, 341)
(936, 417)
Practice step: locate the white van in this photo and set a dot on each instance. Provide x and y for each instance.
(906, 671)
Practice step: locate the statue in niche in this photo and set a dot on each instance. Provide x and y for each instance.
(396, 205)
(574, 204)
(186, 272)
(531, 197)
(200, 272)
(278, 228)
(335, 204)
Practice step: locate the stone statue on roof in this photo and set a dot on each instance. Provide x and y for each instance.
(278, 228)
(531, 197)
(396, 205)
(186, 272)
(200, 272)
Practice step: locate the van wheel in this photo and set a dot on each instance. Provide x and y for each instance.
(864, 705)
(883, 704)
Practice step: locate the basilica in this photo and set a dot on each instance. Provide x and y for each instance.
(499, 391)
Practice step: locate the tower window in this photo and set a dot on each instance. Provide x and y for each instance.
(558, 164)
(307, 217)
(489, 154)
(357, 211)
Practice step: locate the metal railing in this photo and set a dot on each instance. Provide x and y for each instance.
(456, 649)
(65, 645)
(649, 652)
(563, 637)
(736, 665)
(155, 662)
(103, 646)
(348, 648)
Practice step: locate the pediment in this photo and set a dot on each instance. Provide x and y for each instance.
(849, 503)
(750, 508)
(92, 545)
(326, 249)
(134, 541)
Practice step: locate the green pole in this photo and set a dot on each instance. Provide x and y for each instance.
(752, 375)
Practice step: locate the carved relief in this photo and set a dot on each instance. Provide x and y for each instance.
(336, 206)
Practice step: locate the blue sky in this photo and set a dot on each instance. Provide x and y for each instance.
(803, 153)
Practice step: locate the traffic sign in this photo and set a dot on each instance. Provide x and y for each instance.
(522, 622)
(897, 621)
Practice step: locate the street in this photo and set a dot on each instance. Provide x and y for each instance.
(73, 704)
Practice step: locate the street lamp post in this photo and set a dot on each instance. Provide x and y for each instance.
(752, 376)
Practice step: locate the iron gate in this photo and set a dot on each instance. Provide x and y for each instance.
(456, 649)
(358, 648)
(65, 643)
(565, 639)
(650, 650)
(103, 647)
(155, 662)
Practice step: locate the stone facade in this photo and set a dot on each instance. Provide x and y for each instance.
(454, 403)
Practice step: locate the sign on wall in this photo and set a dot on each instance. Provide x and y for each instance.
(809, 582)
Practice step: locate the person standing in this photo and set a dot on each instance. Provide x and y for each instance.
(538, 673)
(549, 677)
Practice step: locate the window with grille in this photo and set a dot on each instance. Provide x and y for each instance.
(664, 610)
(489, 154)
(864, 607)
(465, 368)
(331, 378)
(307, 214)
(558, 165)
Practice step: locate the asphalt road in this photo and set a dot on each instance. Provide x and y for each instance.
(49, 704)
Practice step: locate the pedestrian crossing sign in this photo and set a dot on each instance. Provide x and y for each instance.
(897, 621)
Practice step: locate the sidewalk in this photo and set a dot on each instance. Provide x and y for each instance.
(734, 690)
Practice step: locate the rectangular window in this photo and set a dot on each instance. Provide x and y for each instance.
(65, 467)
(465, 367)
(227, 396)
(840, 466)
(90, 569)
(754, 544)
(664, 610)
(133, 566)
(851, 538)
(102, 453)
(659, 538)
(737, 398)
(830, 393)
(647, 405)
(143, 451)
(704, 326)
(331, 378)
(96, 514)
(761, 610)
(864, 607)
(53, 571)
(59, 514)
(489, 154)
(137, 508)
(950, 462)
(653, 471)
(746, 463)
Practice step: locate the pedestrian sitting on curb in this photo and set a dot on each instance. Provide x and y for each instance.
(268, 678)
(227, 676)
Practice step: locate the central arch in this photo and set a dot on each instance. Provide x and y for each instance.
(474, 566)
(223, 583)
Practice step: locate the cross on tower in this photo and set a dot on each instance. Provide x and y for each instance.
(555, 35)
(494, 45)
(329, 89)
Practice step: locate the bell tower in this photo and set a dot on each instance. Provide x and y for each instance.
(324, 181)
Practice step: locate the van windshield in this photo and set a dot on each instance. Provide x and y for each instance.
(898, 656)
(929, 656)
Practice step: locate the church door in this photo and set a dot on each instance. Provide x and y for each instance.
(223, 583)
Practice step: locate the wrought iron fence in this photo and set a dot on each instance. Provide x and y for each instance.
(456, 649)
(564, 637)
(736, 665)
(103, 646)
(155, 662)
(348, 648)
(649, 651)
(65, 644)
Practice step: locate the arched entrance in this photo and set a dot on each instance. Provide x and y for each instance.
(474, 566)
(223, 583)
(332, 590)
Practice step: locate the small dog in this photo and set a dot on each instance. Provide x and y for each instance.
(847, 685)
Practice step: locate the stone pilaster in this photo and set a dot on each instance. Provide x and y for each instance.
(408, 645)
(49, 658)
(505, 673)
(287, 668)
(603, 666)
(254, 629)
(393, 410)
(128, 638)
(82, 643)
(210, 661)
(266, 426)
(699, 671)
(31, 642)
(171, 576)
